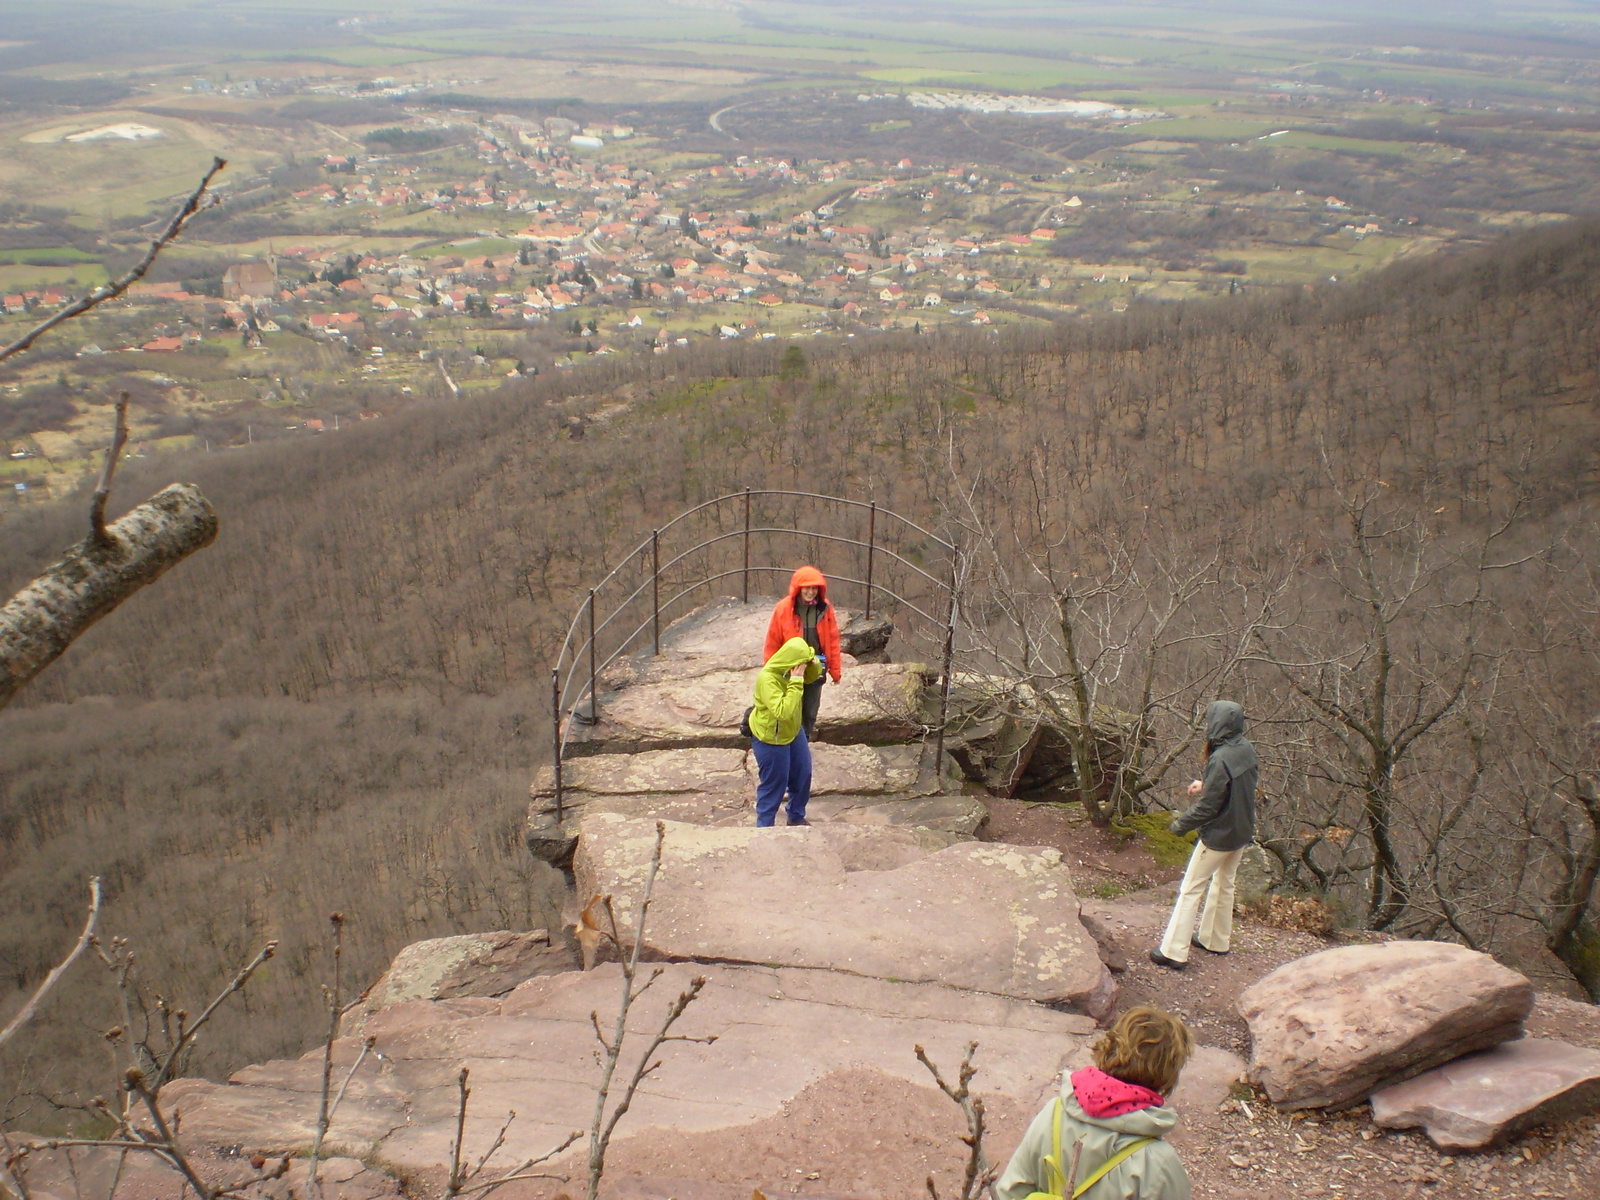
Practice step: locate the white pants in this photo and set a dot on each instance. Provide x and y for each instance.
(1210, 873)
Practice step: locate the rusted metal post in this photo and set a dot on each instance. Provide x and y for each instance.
(949, 656)
(594, 682)
(746, 592)
(655, 587)
(555, 727)
(872, 539)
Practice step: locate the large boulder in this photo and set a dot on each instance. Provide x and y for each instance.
(866, 639)
(1006, 736)
(865, 899)
(469, 964)
(873, 703)
(1483, 1099)
(1329, 1029)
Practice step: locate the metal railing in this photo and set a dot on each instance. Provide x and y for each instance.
(892, 571)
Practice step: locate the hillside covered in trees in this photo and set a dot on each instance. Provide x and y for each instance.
(1367, 512)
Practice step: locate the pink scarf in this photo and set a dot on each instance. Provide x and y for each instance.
(1101, 1095)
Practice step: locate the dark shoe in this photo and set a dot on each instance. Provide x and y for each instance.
(1161, 960)
(1195, 942)
(801, 821)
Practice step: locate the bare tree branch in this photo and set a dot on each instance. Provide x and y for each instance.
(50, 980)
(980, 1175)
(115, 288)
(102, 490)
(335, 1005)
(601, 1128)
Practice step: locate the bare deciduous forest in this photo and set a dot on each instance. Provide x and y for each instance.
(1366, 511)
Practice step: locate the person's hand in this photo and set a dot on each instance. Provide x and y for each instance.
(822, 661)
(1196, 787)
(798, 671)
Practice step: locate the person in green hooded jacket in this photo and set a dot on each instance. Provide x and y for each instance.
(777, 734)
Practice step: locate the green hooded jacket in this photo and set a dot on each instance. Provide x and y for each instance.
(776, 716)
(1153, 1172)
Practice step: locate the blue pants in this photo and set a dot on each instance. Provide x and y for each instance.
(783, 769)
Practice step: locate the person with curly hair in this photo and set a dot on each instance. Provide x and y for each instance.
(1101, 1138)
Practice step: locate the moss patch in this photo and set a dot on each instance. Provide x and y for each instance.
(1167, 848)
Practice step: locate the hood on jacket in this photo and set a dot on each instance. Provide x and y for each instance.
(1224, 722)
(1142, 1122)
(808, 576)
(1101, 1095)
(789, 656)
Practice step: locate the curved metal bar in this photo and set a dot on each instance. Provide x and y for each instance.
(567, 643)
(808, 496)
(572, 646)
(622, 647)
(637, 592)
(827, 537)
(621, 650)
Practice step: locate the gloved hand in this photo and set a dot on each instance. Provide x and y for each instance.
(822, 661)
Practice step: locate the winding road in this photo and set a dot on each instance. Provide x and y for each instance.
(716, 118)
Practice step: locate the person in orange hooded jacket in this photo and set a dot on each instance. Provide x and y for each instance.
(806, 613)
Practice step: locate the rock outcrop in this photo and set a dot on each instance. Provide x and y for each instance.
(470, 964)
(667, 744)
(865, 900)
(1483, 1099)
(776, 1030)
(1005, 737)
(872, 703)
(1329, 1029)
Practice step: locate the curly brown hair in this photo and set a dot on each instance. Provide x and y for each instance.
(1146, 1046)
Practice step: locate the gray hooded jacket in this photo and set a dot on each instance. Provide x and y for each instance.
(1225, 810)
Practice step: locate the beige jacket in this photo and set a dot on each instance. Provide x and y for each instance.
(1152, 1172)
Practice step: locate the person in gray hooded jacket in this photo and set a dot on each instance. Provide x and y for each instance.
(1224, 811)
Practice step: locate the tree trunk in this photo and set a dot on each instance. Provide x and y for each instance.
(97, 574)
(1574, 935)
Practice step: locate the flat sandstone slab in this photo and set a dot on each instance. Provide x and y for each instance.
(777, 1032)
(874, 703)
(864, 899)
(835, 771)
(1328, 1029)
(1483, 1099)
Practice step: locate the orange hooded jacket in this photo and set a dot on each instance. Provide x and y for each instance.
(785, 623)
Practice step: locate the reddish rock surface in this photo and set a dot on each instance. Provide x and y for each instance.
(868, 900)
(1329, 1029)
(1485, 1098)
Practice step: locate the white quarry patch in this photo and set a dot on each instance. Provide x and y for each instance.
(1031, 106)
(128, 132)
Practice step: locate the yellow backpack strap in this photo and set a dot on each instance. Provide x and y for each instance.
(1106, 1167)
(1055, 1179)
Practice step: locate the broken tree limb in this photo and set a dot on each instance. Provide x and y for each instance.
(44, 618)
